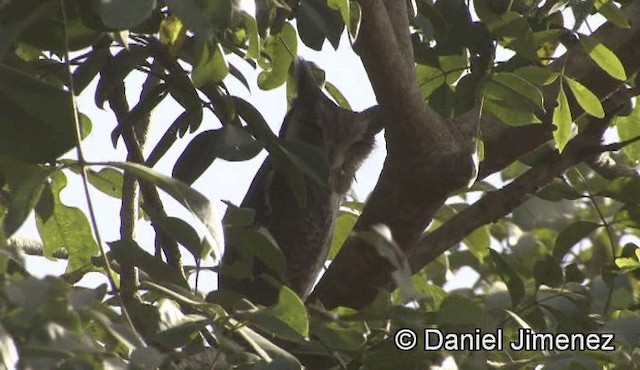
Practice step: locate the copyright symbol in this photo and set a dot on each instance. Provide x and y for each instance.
(405, 339)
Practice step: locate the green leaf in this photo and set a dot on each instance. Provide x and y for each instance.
(344, 224)
(35, 135)
(479, 242)
(280, 49)
(355, 18)
(604, 57)
(514, 117)
(344, 333)
(190, 198)
(125, 14)
(625, 190)
(26, 183)
(291, 311)
(273, 357)
(183, 233)
(587, 100)
(458, 311)
(211, 66)
(562, 120)
(509, 87)
(108, 181)
(238, 216)
(341, 6)
(256, 123)
(129, 252)
(249, 245)
(571, 235)
(47, 32)
(61, 226)
(548, 272)
(612, 13)
(628, 128)
(250, 24)
(537, 75)
(509, 276)
(558, 190)
(429, 79)
(176, 329)
(337, 95)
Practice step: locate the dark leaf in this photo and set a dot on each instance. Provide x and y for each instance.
(317, 22)
(509, 276)
(548, 272)
(230, 143)
(129, 252)
(88, 70)
(35, 134)
(571, 235)
(26, 184)
(117, 69)
(125, 14)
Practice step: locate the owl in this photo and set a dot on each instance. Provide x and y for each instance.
(302, 230)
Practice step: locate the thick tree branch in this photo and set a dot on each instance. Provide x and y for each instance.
(499, 203)
(426, 160)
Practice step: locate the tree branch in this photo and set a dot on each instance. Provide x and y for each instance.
(499, 203)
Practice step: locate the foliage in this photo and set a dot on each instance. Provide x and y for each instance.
(565, 261)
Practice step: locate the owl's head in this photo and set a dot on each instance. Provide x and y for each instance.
(347, 137)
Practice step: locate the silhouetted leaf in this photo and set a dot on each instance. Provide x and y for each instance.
(317, 21)
(571, 235)
(26, 183)
(117, 68)
(230, 143)
(129, 252)
(35, 135)
(510, 277)
(548, 272)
